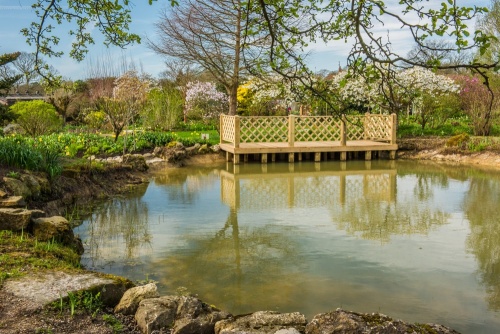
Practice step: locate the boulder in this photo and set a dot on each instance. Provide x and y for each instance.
(12, 202)
(175, 154)
(136, 161)
(3, 194)
(263, 322)
(132, 297)
(14, 219)
(203, 149)
(13, 129)
(180, 314)
(17, 187)
(340, 321)
(193, 149)
(56, 228)
(32, 183)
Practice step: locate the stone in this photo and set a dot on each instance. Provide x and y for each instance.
(3, 194)
(136, 161)
(193, 149)
(180, 314)
(32, 183)
(203, 149)
(49, 287)
(17, 187)
(14, 219)
(56, 228)
(216, 148)
(12, 202)
(132, 297)
(341, 321)
(262, 322)
(13, 129)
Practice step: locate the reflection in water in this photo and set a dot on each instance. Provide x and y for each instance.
(482, 208)
(310, 237)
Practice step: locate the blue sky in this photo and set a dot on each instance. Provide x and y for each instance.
(17, 14)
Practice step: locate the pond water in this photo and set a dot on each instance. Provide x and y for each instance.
(416, 241)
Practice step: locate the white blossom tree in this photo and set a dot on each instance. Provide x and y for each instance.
(204, 101)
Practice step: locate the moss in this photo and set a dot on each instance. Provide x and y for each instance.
(459, 140)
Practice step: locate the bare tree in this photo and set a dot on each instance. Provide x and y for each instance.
(208, 34)
(26, 65)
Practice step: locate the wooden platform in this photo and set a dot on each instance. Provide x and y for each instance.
(243, 136)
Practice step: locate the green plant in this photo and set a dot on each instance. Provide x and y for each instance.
(13, 174)
(36, 117)
(114, 323)
(72, 299)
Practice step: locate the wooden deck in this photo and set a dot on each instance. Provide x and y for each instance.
(241, 137)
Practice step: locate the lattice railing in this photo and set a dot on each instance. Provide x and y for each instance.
(227, 128)
(354, 128)
(256, 129)
(378, 127)
(282, 129)
(317, 128)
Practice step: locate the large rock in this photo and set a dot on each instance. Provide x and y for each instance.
(132, 297)
(14, 219)
(56, 228)
(180, 314)
(35, 184)
(136, 161)
(174, 154)
(12, 202)
(17, 187)
(341, 321)
(263, 322)
(49, 287)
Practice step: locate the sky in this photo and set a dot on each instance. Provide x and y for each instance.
(17, 14)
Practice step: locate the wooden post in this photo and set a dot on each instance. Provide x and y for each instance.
(392, 155)
(221, 127)
(263, 158)
(273, 157)
(291, 157)
(368, 155)
(317, 156)
(367, 126)
(236, 159)
(291, 130)
(236, 131)
(343, 156)
(343, 129)
(394, 125)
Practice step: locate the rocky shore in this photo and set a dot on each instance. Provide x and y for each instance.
(31, 203)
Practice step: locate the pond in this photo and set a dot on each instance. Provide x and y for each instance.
(416, 241)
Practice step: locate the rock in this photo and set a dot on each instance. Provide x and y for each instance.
(193, 149)
(12, 202)
(341, 321)
(132, 297)
(262, 322)
(137, 162)
(32, 183)
(56, 228)
(13, 129)
(49, 287)
(203, 149)
(14, 219)
(175, 154)
(181, 314)
(37, 214)
(3, 194)
(216, 148)
(17, 187)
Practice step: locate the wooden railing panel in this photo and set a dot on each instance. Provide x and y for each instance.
(354, 127)
(317, 128)
(227, 128)
(272, 129)
(378, 127)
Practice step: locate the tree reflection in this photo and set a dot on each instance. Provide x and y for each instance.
(238, 267)
(119, 228)
(482, 207)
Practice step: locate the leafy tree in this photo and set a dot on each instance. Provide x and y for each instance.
(36, 117)
(61, 95)
(163, 108)
(7, 78)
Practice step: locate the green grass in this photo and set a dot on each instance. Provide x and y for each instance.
(21, 253)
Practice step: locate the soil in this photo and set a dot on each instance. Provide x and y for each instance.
(19, 315)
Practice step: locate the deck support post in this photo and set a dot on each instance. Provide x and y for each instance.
(317, 156)
(236, 159)
(291, 157)
(392, 155)
(236, 131)
(263, 158)
(299, 156)
(368, 155)
(245, 157)
(228, 156)
(343, 136)
(343, 156)
(291, 130)
(273, 157)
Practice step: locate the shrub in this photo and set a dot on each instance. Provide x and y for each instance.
(36, 117)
